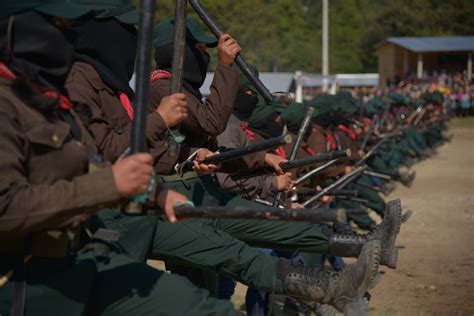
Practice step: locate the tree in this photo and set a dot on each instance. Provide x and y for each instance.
(285, 35)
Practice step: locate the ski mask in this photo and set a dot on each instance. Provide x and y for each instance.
(195, 66)
(37, 49)
(110, 47)
(245, 103)
(268, 128)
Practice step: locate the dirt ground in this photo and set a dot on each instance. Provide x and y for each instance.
(435, 274)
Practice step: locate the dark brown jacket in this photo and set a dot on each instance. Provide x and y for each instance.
(317, 142)
(44, 181)
(110, 125)
(234, 137)
(206, 119)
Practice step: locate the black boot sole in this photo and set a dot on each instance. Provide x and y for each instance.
(369, 259)
(391, 228)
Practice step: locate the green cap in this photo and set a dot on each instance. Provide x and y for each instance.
(293, 115)
(436, 97)
(68, 9)
(261, 114)
(324, 104)
(346, 102)
(123, 10)
(398, 99)
(164, 33)
(374, 106)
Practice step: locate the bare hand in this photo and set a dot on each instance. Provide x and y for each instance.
(167, 199)
(326, 199)
(274, 161)
(348, 169)
(173, 109)
(285, 182)
(202, 168)
(132, 174)
(227, 49)
(297, 205)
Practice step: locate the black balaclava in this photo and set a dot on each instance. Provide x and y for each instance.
(244, 104)
(268, 128)
(41, 55)
(38, 50)
(110, 47)
(194, 69)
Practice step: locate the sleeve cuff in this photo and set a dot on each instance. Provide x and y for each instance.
(98, 189)
(155, 125)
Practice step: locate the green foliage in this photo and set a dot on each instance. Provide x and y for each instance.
(285, 35)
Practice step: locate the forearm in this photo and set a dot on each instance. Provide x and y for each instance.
(27, 208)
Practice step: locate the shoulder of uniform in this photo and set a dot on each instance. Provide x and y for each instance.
(82, 72)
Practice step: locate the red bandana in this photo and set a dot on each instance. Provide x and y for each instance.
(309, 150)
(280, 152)
(127, 105)
(159, 74)
(250, 134)
(64, 102)
(348, 131)
(331, 141)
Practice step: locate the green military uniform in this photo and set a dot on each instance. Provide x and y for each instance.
(47, 194)
(187, 242)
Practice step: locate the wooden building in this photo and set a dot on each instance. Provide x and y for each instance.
(400, 56)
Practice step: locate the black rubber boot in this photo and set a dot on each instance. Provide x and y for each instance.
(334, 288)
(350, 245)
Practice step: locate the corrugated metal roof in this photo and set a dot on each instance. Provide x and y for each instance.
(274, 81)
(282, 81)
(434, 43)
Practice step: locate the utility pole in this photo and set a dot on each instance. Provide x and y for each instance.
(325, 46)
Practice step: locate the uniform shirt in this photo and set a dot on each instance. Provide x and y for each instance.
(44, 183)
(234, 137)
(317, 141)
(110, 124)
(205, 119)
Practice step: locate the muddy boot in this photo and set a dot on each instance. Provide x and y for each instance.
(407, 178)
(350, 245)
(334, 288)
(387, 188)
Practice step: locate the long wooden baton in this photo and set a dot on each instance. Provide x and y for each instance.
(297, 163)
(237, 153)
(177, 65)
(334, 185)
(294, 149)
(142, 87)
(315, 215)
(239, 60)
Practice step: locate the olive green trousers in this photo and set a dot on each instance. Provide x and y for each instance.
(107, 283)
(224, 246)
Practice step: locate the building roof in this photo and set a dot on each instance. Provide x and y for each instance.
(434, 43)
(274, 81)
(283, 81)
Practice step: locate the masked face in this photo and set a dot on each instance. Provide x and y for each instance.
(110, 46)
(245, 102)
(38, 49)
(196, 62)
